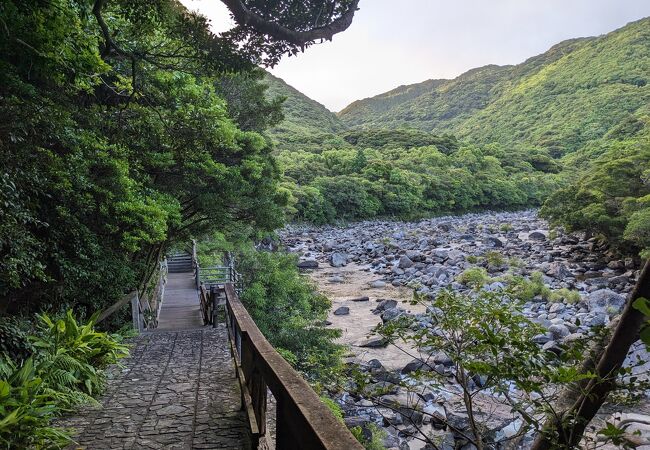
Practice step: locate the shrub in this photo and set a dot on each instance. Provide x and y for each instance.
(527, 289)
(474, 277)
(506, 227)
(494, 259)
(472, 259)
(65, 370)
(370, 436)
(568, 295)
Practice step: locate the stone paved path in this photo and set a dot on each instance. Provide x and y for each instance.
(177, 390)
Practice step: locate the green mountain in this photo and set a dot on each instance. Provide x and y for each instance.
(574, 93)
(307, 124)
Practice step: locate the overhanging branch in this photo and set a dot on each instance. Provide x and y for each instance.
(244, 17)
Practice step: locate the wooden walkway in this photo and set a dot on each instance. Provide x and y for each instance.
(181, 309)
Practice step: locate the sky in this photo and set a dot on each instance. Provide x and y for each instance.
(396, 42)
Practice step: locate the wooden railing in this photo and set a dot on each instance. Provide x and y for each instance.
(302, 419)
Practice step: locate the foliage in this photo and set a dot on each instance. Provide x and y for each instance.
(73, 356)
(370, 436)
(286, 307)
(65, 370)
(565, 294)
(611, 197)
(110, 157)
(26, 408)
(578, 91)
(334, 407)
(490, 344)
(475, 277)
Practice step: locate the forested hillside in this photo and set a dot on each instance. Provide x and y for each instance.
(307, 124)
(575, 92)
(496, 137)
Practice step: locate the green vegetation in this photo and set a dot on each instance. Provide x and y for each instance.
(610, 195)
(558, 101)
(490, 342)
(66, 369)
(360, 183)
(371, 436)
(111, 158)
(474, 277)
(290, 313)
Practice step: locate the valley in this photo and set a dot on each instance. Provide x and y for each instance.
(370, 269)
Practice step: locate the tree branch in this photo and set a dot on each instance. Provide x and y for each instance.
(245, 17)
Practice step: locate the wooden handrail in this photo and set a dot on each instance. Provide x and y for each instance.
(303, 421)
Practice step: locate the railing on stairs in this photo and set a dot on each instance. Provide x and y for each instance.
(302, 419)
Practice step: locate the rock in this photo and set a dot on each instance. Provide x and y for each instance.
(552, 346)
(616, 265)
(416, 364)
(308, 264)
(414, 255)
(542, 338)
(385, 304)
(405, 262)
(443, 358)
(444, 226)
(557, 308)
(373, 342)
(437, 413)
(558, 271)
(573, 337)
(538, 235)
(391, 314)
(360, 299)
(336, 279)
(355, 421)
(605, 300)
(338, 259)
(378, 284)
(342, 311)
(495, 242)
(375, 364)
(559, 331)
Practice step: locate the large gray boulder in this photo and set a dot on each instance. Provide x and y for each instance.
(338, 259)
(342, 311)
(605, 300)
(405, 262)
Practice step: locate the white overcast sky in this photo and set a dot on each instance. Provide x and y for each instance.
(394, 42)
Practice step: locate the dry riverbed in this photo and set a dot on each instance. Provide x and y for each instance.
(371, 265)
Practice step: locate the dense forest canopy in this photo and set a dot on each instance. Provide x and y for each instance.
(117, 142)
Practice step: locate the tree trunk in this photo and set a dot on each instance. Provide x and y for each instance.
(566, 430)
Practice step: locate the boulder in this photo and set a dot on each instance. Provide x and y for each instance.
(494, 241)
(385, 304)
(414, 255)
(605, 300)
(373, 342)
(338, 259)
(558, 271)
(405, 262)
(443, 358)
(559, 331)
(308, 264)
(378, 284)
(538, 235)
(342, 311)
(416, 364)
(391, 314)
